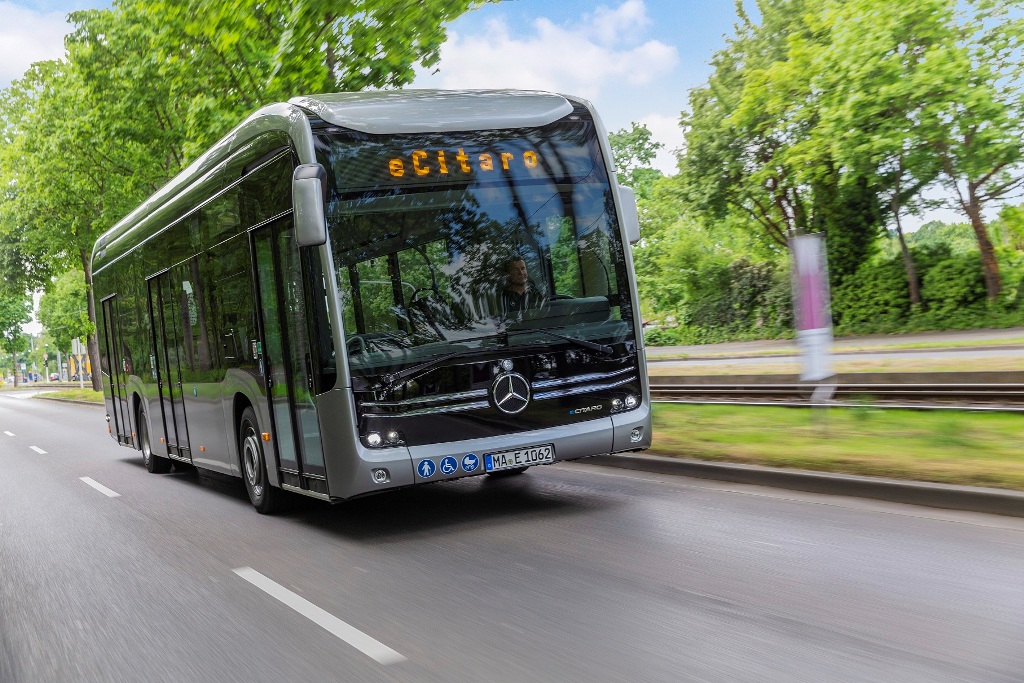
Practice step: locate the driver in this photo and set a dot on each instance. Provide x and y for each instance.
(518, 293)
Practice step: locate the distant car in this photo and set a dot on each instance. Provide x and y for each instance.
(54, 377)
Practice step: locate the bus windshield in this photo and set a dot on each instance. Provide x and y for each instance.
(459, 242)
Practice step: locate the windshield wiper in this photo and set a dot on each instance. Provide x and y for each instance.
(585, 343)
(389, 381)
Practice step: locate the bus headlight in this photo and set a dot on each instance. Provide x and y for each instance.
(631, 401)
(374, 439)
(393, 438)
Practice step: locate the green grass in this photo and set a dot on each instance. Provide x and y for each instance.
(76, 395)
(980, 449)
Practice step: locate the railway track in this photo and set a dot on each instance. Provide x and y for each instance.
(993, 396)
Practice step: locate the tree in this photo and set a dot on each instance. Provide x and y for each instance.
(63, 309)
(882, 67)
(977, 133)
(148, 84)
(750, 143)
(633, 151)
(15, 311)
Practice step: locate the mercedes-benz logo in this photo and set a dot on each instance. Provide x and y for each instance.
(510, 393)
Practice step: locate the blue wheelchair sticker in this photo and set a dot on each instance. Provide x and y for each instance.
(449, 465)
(470, 462)
(425, 468)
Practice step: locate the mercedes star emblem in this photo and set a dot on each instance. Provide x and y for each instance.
(510, 393)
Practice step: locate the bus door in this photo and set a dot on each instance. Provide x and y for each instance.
(167, 349)
(117, 362)
(285, 354)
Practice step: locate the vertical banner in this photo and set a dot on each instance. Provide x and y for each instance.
(811, 306)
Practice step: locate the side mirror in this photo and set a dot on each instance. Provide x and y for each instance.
(630, 217)
(309, 194)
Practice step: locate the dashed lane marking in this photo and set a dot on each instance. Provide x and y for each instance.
(381, 653)
(8, 433)
(37, 449)
(100, 487)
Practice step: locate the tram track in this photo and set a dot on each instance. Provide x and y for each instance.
(961, 391)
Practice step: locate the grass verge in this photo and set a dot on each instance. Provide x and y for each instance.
(76, 395)
(978, 449)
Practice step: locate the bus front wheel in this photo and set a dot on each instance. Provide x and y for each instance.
(264, 497)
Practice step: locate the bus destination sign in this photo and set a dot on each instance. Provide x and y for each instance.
(437, 163)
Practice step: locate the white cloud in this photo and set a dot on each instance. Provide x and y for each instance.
(603, 50)
(27, 36)
(666, 130)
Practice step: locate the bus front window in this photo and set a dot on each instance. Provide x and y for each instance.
(447, 242)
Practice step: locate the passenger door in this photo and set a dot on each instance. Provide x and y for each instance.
(167, 345)
(117, 377)
(284, 334)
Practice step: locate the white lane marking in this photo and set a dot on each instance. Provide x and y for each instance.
(8, 433)
(350, 634)
(37, 449)
(100, 487)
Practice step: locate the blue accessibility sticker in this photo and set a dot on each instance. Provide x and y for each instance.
(425, 468)
(470, 462)
(449, 465)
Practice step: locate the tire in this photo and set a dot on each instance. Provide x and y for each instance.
(154, 463)
(508, 473)
(264, 497)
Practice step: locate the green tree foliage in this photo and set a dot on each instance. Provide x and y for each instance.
(15, 311)
(633, 151)
(63, 310)
(751, 148)
(148, 84)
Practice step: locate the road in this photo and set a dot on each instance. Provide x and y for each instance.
(567, 573)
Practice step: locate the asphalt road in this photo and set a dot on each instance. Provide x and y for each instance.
(567, 573)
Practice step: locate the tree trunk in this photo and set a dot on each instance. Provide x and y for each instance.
(989, 264)
(94, 346)
(908, 263)
(908, 260)
(14, 368)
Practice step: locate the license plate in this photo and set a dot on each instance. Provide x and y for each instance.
(523, 457)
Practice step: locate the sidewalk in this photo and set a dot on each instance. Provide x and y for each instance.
(998, 337)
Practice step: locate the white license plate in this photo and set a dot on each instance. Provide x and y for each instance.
(523, 457)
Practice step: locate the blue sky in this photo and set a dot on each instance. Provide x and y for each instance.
(635, 59)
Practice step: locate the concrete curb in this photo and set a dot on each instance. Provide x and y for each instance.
(68, 400)
(945, 496)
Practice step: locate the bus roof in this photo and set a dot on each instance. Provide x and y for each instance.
(421, 111)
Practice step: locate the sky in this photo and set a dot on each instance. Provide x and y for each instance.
(634, 59)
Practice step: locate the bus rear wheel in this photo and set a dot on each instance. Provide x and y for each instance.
(154, 463)
(264, 497)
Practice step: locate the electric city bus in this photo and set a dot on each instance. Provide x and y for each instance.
(356, 292)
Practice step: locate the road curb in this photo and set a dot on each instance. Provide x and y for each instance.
(68, 400)
(945, 496)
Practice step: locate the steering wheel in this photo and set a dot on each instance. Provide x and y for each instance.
(355, 345)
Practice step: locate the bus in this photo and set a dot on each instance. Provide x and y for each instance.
(356, 292)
